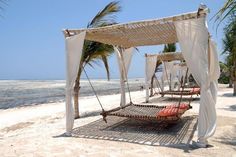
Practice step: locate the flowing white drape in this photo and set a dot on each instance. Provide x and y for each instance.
(174, 75)
(149, 71)
(167, 74)
(193, 39)
(74, 47)
(124, 57)
(214, 62)
(182, 73)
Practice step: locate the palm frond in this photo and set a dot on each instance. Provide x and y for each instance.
(105, 16)
(97, 56)
(169, 48)
(95, 52)
(2, 4)
(228, 7)
(227, 10)
(229, 46)
(223, 67)
(90, 64)
(105, 62)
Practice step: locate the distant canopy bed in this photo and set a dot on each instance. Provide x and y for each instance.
(189, 29)
(173, 69)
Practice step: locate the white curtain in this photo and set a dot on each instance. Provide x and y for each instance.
(124, 57)
(182, 73)
(167, 72)
(174, 78)
(193, 39)
(74, 47)
(214, 62)
(167, 69)
(149, 71)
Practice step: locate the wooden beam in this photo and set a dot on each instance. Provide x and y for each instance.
(170, 56)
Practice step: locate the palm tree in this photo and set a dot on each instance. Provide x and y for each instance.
(224, 74)
(3, 3)
(169, 48)
(227, 10)
(95, 51)
(229, 44)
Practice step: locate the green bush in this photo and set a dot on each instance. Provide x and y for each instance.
(223, 79)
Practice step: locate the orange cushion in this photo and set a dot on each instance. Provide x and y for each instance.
(168, 112)
(181, 106)
(196, 90)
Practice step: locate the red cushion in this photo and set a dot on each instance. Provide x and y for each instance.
(168, 112)
(196, 90)
(172, 110)
(181, 106)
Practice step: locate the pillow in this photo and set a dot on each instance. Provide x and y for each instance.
(181, 106)
(165, 112)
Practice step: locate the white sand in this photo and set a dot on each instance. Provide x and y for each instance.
(34, 131)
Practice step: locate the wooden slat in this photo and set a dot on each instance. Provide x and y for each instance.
(143, 112)
(170, 56)
(141, 33)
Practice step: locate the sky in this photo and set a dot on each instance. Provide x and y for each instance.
(32, 44)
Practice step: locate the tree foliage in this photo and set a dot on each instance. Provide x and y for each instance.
(224, 73)
(226, 10)
(3, 3)
(95, 52)
(169, 48)
(229, 46)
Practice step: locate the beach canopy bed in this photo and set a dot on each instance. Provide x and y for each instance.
(189, 30)
(172, 72)
(169, 114)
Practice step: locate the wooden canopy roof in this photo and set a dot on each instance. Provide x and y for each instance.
(141, 33)
(170, 56)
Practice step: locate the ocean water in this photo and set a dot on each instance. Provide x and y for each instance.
(17, 93)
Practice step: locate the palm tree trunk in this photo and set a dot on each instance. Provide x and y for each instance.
(230, 83)
(234, 76)
(76, 100)
(234, 94)
(76, 93)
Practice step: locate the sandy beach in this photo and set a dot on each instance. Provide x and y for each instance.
(38, 131)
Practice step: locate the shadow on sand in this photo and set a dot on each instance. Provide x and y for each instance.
(172, 99)
(228, 138)
(230, 108)
(90, 114)
(152, 133)
(228, 95)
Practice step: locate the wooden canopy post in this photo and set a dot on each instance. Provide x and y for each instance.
(146, 80)
(122, 76)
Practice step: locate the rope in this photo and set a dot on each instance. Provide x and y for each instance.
(186, 77)
(103, 111)
(159, 86)
(182, 81)
(154, 78)
(170, 89)
(191, 98)
(93, 90)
